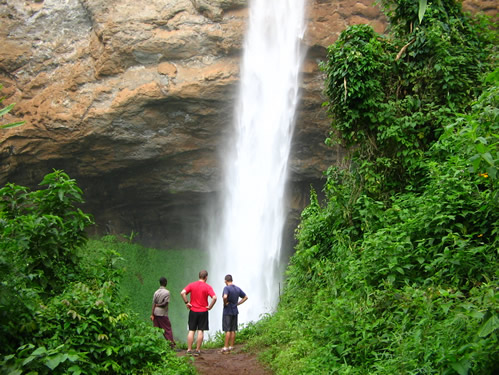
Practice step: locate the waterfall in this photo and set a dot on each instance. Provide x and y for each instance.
(248, 235)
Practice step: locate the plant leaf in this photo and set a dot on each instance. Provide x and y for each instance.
(461, 367)
(12, 125)
(422, 9)
(489, 326)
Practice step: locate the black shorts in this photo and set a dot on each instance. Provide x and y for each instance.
(229, 323)
(198, 321)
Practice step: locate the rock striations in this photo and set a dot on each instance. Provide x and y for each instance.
(134, 99)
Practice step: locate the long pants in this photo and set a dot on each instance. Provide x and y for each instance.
(164, 323)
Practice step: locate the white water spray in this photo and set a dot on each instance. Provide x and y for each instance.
(247, 241)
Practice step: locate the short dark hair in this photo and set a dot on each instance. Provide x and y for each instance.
(163, 281)
(228, 278)
(203, 274)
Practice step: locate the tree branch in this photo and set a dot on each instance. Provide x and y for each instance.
(404, 48)
(345, 86)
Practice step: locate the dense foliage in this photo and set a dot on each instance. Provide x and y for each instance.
(397, 271)
(60, 308)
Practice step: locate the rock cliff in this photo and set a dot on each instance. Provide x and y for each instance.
(133, 100)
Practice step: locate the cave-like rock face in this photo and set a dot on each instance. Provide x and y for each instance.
(134, 99)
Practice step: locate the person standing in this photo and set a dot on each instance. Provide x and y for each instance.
(159, 314)
(198, 309)
(231, 295)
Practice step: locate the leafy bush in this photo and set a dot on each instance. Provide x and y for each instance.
(40, 233)
(61, 310)
(396, 272)
(42, 230)
(391, 97)
(87, 331)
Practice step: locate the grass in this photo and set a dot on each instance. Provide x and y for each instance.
(143, 268)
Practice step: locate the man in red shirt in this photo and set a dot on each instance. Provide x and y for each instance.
(198, 309)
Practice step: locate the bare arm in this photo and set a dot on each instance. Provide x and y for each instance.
(213, 301)
(152, 312)
(242, 300)
(162, 305)
(153, 307)
(183, 293)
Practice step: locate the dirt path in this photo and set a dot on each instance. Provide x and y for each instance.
(212, 362)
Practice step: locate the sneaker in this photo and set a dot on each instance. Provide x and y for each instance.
(225, 351)
(189, 352)
(196, 353)
(231, 348)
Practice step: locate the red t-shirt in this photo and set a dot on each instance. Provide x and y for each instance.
(199, 291)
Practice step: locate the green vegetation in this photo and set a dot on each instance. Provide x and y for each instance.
(396, 272)
(142, 268)
(61, 310)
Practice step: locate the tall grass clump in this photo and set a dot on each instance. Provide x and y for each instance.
(142, 268)
(396, 271)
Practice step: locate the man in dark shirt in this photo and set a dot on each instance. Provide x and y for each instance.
(231, 295)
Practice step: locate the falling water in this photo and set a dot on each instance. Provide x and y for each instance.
(247, 241)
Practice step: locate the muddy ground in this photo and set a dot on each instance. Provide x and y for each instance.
(238, 362)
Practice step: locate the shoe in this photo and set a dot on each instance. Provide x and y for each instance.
(225, 351)
(189, 352)
(196, 353)
(231, 348)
